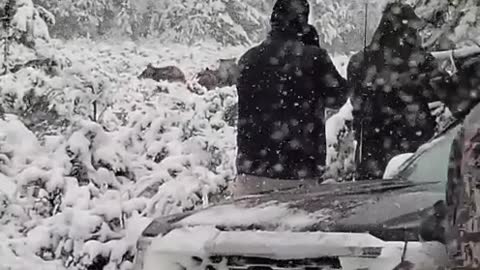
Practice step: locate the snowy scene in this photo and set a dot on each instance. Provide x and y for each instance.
(228, 135)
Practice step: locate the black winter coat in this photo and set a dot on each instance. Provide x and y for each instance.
(392, 86)
(283, 89)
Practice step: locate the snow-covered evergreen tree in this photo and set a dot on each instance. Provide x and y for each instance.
(451, 24)
(192, 21)
(186, 21)
(26, 21)
(76, 18)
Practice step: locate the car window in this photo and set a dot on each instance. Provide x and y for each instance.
(430, 162)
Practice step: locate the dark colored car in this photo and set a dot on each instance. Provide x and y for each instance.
(357, 225)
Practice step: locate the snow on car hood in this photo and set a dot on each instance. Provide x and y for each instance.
(324, 206)
(348, 207)
(278, 216)
(204, 240)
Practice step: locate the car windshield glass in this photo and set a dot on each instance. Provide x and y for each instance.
(430, 162)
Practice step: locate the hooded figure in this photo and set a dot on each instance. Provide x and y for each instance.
(283, 89)
(392, 85)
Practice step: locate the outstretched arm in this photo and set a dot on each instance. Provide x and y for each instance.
(446, 88)
(336, 90)
(438, 84)
(354, 73)
(355, 79)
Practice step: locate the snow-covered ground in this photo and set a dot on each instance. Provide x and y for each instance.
(80, 180)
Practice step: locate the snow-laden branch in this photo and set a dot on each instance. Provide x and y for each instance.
(463, 52)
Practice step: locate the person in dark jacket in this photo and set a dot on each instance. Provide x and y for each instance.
(283, 89)
(392, 85)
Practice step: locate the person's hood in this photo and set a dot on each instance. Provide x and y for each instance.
(397, 19)
(310, 36)
(290, 17)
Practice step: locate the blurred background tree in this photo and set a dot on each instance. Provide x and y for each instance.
(340, 23)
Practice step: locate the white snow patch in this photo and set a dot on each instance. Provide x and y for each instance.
(7, 186)
(202, 241)
(395, 164)
(21, 140)
(278, 216)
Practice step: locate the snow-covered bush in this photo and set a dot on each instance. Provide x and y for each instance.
(28, 22)
(86, 196)
(450, 23)
(27, 95)
(79, 197)
(340, 145)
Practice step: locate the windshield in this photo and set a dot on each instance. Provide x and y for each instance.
(430, 163)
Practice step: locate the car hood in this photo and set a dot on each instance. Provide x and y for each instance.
(385, 208)
(392, 210)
